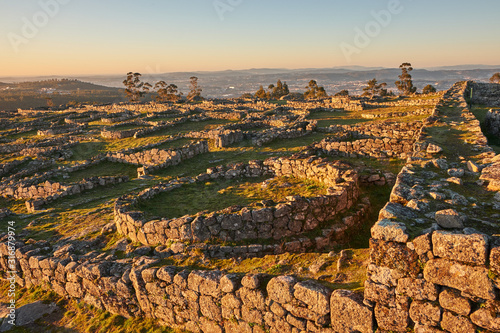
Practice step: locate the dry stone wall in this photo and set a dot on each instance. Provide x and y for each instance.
(383, 140)
(296, 216)
(484, 93)
(197, 301)
(221, 137)
(154, 159)
(427, 272)
(492, 122)
(43, 194)
(441, 278)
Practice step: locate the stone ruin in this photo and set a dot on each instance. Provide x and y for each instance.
(434, 261)
(295, 216)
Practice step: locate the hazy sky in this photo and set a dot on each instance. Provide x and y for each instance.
(62, 37)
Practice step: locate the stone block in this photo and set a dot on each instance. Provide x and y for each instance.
(392, 319)
(456, 324)
(425, 313)
(349, 314)
(205, 282)
(451, 300)
(449, 219)
(315, 295)
(466, 248)
(390, 231)
(383, 275)
(417, 289)
(488, 317)
(378, 293)
(469, 279)
(395, 256)
(280, 289)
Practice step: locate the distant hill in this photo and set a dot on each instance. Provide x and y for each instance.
(55, 93)
(234, 83)
(60, 84)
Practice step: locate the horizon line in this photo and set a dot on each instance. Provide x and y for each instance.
(368, 68)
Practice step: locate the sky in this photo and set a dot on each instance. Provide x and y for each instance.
(88, 37)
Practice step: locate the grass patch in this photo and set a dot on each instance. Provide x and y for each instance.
(127, 143)
(102, 169)
(23, 135)
(126, 127)
(176, 143)
(191, 126)
(86, 150)
(218, 195)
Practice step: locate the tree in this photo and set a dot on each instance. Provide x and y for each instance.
(313, 91)
(50, 102)
(428, 89)
(373, 88)
(166, 92)
(342, 93)
(261, 93)
(270, 91)
(134, 88)
(495, 78)
(405, 83)
(247, 96)
(195, 92)
(273, 91)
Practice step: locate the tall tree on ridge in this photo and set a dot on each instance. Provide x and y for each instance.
(405, 83)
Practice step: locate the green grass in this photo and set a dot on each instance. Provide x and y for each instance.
(329, 114)
(25, 135)
(86, 150)
(217, 195)
(176, 143)
(157, 120)
(327, 118)
(191, 126)
(100, 170)
(127, 143)
(126, 127)
(343, 121)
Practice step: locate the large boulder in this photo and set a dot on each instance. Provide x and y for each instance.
(349, 314)
(448, 219)
(469, 279)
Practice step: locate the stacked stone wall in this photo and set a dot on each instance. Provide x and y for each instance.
(436, 279)
(294, 217)
(492, 122)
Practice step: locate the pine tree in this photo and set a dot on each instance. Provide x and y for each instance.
(195, 92)
(495, 78)
(261, 93)
(134, 88)
(428, 89)
(373, 88)
(405, 83)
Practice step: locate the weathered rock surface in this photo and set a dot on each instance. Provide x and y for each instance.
(448, 219)
(470, 279)
(452, 300)
(349, 314)
(467, 248)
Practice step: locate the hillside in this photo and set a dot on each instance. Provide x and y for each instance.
(236, 213)
(56, 92)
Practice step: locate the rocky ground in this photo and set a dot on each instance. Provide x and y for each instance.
(60, 185)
